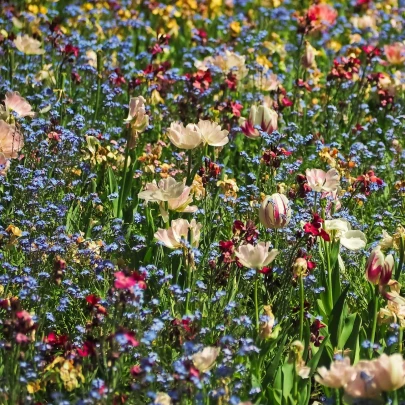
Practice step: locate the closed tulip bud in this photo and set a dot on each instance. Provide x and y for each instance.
(275, 211)
(379, 268)
(263, 117)
(308, 59)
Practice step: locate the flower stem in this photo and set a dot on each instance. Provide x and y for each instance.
(124, 176)
(400, 339)
(374, 327)
(99, 76)
(301, 307)
(189, 181)
(189, 275)
(11, 66)
(256, 302)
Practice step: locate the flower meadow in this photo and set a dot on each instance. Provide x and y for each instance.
(202, 202)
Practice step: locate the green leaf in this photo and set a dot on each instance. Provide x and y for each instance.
(271, 370)
(288, 378)
(335, 319)
(347, 329)
(353, 342)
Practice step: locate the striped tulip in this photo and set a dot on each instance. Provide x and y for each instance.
(379, 268)
(275, 211)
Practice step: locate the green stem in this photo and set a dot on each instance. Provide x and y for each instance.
(301, 307)
(256, 302)
(11, 66)
(395, 398)
(189, 276)
(99, 76)
(189, 162)
(400, 339)
(124, 176)
(401, 259)
(374, 327)
(337, 396)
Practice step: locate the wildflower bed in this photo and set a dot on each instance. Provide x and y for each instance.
(202, 202)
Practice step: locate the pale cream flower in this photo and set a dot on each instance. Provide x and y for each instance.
(362, 383)
(340, 229)
(162, 399)
(167, 189)
(204, 360)
(212, 134)
(227, 62)
(180, 231)
(28, 45)
(390, 372)
(339, 373)
(257, 256)
(188, 137)
(14, 102)
(11, 141)
(137, 116)
(318, 180)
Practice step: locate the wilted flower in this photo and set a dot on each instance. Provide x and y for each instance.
(256, 257)
(300, 267)
(340, 229)
(318, 180)
(14, 102)
(203, 361)
(188, 137)
(28, 45)
(262, 116)
(387, 241)
(266, 328)
(379, 268)
(180, 231)
(11, 141)
(137, 118)
(275, 211)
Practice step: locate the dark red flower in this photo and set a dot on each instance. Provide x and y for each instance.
(69, 49)
(88, 349)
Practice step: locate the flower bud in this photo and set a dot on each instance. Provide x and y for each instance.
(308, 59)
(275, 211)
(379, 268)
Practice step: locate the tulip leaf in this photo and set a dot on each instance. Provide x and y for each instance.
(347, 329)
(335, 320)
(271, 370)
(353, 342)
